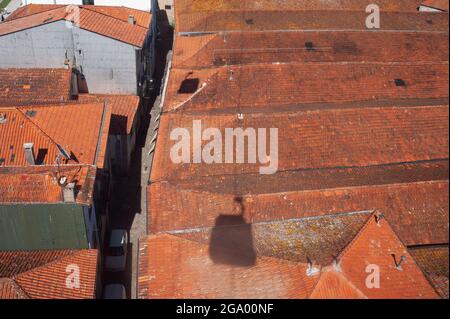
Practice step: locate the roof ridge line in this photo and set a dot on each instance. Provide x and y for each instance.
(198, 229)
(343, 277)
(304, 169)
(431, 181)
(35, 13)
(22, 290)
(110, 16)
(366, 224)
(38, 128)
(72, 252)
(295, 63)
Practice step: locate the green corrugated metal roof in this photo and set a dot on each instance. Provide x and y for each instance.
(42, 226)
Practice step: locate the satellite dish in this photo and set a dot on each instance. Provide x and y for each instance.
(63, 152)
(62, 181)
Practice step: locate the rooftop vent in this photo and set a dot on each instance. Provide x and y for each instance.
(30, 113)
(2, 118)
(309, 46)
(29, 153)
(311, 270)
(400, 82)
(398, 264)
(69, 193)
(249, 21)
(378, 218)
(131, 19)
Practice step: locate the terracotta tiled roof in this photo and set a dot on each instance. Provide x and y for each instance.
(196, 276)
(239, 48)
(10, 290)
(31, 9)
(433, 260)
(34, 86)
(124, 109)
(42, 274)
(282, 20)
(142, 18)
(377, 244)
(257, 255)
(237, 88)
(436, 4)
(184, 6)
(362, 119)
(414, 198)
(49, 126)
(26, 87)
(39, 184)
(318, 138)
(108, 25)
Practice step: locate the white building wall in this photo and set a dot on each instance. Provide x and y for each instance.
(44, 46)
(108, 65)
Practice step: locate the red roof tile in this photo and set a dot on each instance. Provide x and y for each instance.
(318, 138)
(34, 86)
(238, 48)
(142, 18)
(108, 25)
(377, 244)
(359, 129)
(42, 274)
(433, 260)
(237, 88)
(414, 198)
(124, 110)
(39, 184)
(31, 9)
(185, 6)
(288, 20)
(436, 4)
(204, 269)
(10, 290)
(195, 275)
(49, 126)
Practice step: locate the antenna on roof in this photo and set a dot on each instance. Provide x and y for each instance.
(378, 218)
(311, 270)
(398, 264)
(63, 152)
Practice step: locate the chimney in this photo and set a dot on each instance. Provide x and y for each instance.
(131, 19)
(69, 193)
(29, 153)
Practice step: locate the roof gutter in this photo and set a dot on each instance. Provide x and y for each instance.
(97, 150)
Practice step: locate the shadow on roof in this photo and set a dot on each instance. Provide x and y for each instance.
(231, 240)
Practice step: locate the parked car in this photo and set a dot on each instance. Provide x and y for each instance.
(114, 291)
(116, 258)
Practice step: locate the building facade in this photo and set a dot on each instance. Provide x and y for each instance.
(110, 59)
